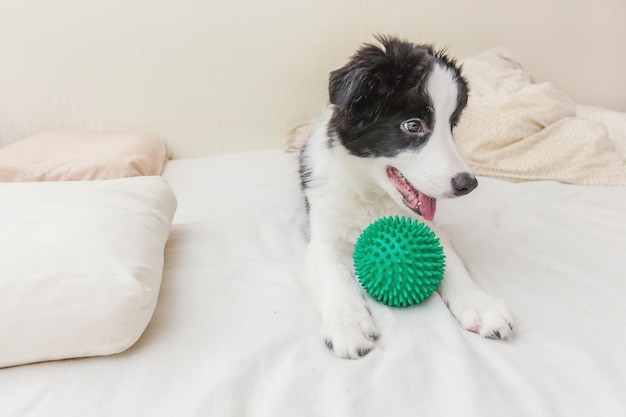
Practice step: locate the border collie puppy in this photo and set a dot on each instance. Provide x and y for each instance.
(385, 147)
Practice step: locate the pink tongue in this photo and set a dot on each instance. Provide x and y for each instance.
(413, 198)
(428, 206)
(417, 201)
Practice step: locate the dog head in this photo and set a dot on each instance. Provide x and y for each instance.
(394, 107)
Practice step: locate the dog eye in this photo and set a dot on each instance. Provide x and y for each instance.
(412, 126)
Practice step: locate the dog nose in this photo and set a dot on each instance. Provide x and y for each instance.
(463, 183)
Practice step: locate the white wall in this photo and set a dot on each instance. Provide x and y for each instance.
(216, 76)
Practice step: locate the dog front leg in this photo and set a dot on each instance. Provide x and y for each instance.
(476, 310)
(347, 326)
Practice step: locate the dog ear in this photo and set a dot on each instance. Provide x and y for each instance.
(370, 73)
(361, 77)
(344, 83)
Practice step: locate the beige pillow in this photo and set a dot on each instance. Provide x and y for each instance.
(519, 130)
(68, 155)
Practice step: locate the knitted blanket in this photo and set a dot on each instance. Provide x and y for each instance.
(519, 130)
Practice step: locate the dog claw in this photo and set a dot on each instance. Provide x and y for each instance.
(363, 352)
(494, 335)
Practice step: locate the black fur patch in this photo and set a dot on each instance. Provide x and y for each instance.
(305, 174)
(379, 89)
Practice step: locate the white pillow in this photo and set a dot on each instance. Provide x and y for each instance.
(80, 265)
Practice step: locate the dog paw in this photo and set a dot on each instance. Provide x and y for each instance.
(482, 314)
(350, 333)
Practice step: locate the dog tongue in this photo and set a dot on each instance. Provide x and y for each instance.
(420, 203)
(428, 206)
(413, 198)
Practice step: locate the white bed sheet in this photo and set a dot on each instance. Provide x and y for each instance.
(235, 332)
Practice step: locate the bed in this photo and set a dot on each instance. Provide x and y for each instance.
(195, 230)
(235, 331)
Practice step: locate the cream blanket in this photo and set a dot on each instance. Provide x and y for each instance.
(517, 130)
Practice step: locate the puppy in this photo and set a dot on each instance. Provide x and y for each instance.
(385, 147)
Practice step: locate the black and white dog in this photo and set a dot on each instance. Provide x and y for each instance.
(385, 147)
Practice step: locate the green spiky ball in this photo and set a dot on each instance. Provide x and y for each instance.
(399, 261)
